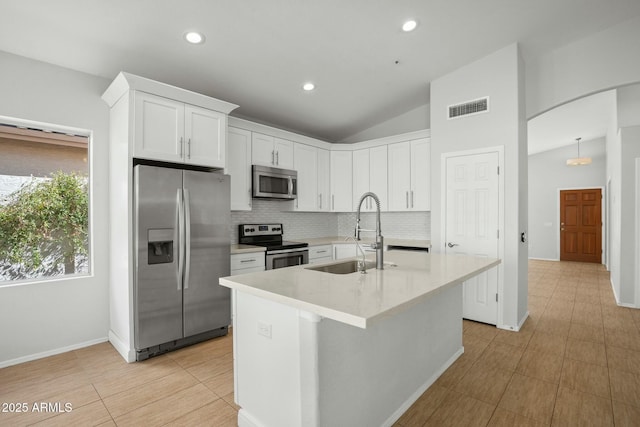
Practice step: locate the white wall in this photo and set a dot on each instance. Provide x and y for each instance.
(623, 147)
(548, 173)
(630, 150)
(603, 60)
(48, 317)
(497, 76)
(413, 120)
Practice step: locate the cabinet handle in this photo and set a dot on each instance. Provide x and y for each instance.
(322, 252)
(277, 157)
(189, 149)
(411, 198)
(407, 193)
(249, 191)
(181, 144)
(273, 157)
(242, 261)
(319, 201)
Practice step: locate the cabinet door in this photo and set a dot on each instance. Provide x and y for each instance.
(378, 176)
(344, 250)
(283, 153)
(262, 151)
(305, 162)
(399, 176)
(239, 168)
(420, 196)
(205, 135)
(324, 180)
(341, 181)
(361, 178)
(158, 128)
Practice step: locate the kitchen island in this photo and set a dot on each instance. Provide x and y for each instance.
(313, 348)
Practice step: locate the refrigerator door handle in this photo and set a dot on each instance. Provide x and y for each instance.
(180, 233)
(187, 237)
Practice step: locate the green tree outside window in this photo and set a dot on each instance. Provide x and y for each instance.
(44, 228)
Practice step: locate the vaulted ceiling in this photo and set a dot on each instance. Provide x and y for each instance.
(258, 53)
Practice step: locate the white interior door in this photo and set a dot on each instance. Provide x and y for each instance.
(472, 224)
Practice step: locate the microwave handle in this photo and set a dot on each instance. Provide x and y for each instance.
(290, 187)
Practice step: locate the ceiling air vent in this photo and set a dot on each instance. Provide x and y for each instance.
(472, 107)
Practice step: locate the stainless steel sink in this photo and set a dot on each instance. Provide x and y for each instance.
(344, 267)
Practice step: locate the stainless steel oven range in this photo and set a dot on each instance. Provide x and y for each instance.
(279, 253)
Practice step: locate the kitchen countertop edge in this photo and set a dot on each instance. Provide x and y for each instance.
(299, 287)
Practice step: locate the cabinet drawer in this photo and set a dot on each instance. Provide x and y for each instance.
(247, 260)
(319, 252)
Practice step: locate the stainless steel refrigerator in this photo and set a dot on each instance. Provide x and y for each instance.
(182, 236)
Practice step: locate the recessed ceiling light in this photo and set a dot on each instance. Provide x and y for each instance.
(409, 26)
(194, 37)
(308, 86)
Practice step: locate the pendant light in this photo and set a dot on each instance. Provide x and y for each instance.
(579, 161)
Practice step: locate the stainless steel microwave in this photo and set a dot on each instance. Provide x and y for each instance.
(274, 183)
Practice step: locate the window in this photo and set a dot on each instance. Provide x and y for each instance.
(44, 202)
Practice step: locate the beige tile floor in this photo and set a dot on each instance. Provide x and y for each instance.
(576, 361)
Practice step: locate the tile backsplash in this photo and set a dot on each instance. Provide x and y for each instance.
(297, 225)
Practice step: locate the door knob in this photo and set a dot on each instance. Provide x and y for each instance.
(452, 244)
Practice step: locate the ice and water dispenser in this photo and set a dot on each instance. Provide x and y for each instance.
(160, 249)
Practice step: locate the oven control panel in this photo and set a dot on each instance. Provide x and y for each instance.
(247, 230)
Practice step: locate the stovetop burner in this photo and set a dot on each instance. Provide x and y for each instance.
(267, 235)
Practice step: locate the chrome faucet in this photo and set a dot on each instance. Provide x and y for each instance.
(378, 245)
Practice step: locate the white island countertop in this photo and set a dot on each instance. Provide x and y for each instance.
(357, 299)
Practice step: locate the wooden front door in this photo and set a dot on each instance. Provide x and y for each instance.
(581, 225)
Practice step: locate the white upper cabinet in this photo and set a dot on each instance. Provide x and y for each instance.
(205, 133)
(284, 153)
(409, 178)
(370, 174)
(341, 181)
(313, 167)
(159, 128)
(270, 151)
(239, 168)
(324, 180)
(173, 131)
(305, 161)
(421, 174)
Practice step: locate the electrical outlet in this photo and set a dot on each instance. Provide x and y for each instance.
(264, 329)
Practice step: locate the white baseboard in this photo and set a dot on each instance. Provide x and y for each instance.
(544, 259)
(30, 357)
(127, 353)
(246, 420)
(415, 396)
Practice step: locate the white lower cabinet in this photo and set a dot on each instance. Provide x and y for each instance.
(318, 254)
(249, 262)
(344, 250)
